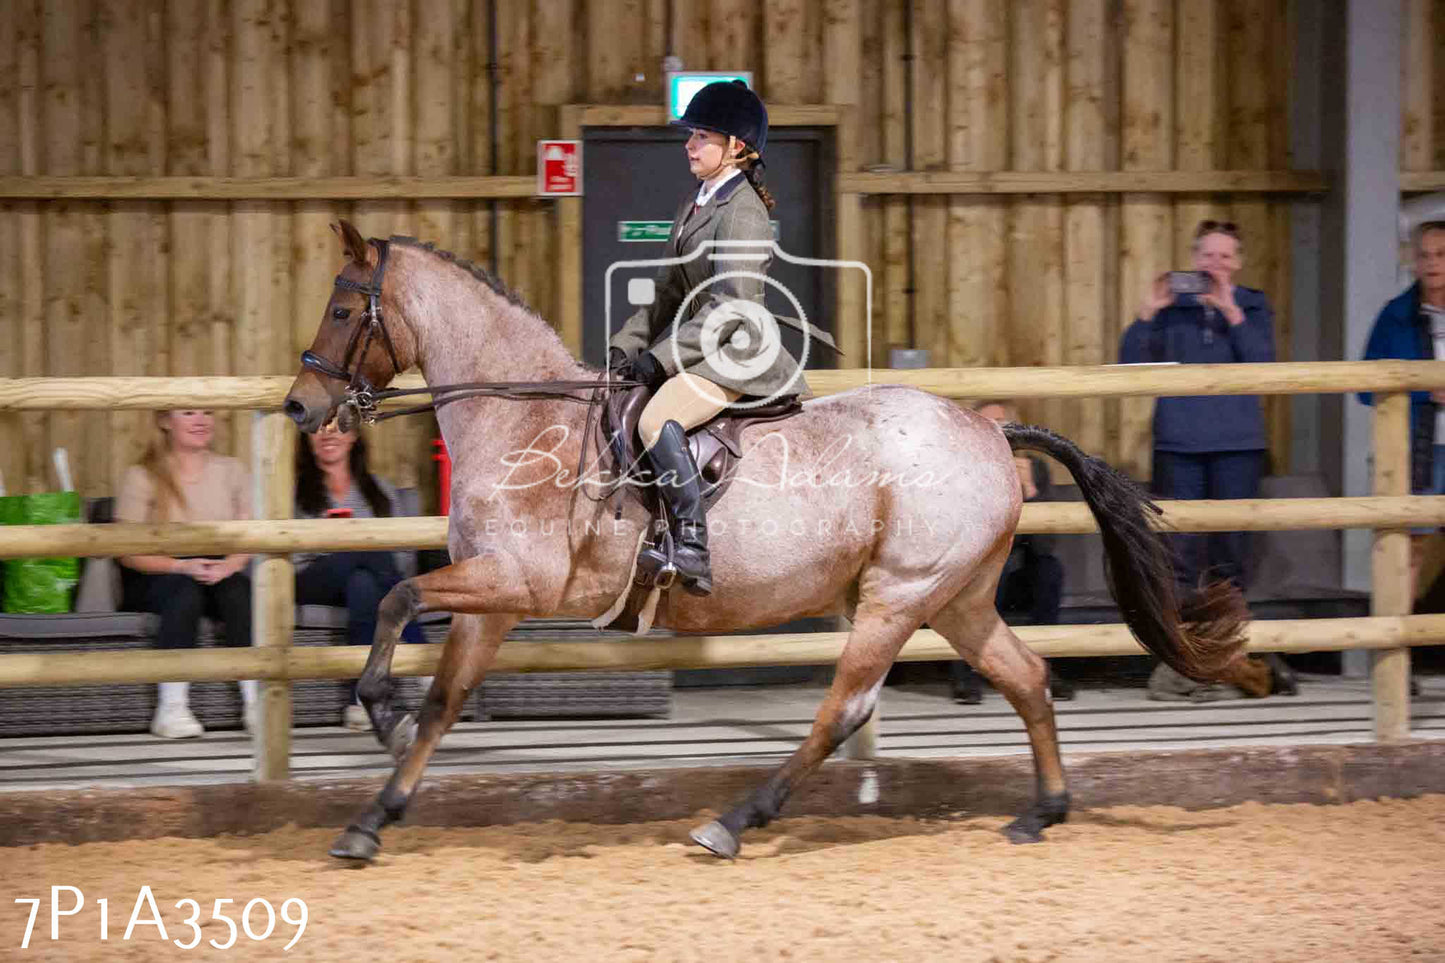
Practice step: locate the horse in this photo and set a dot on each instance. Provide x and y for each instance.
(889, 505)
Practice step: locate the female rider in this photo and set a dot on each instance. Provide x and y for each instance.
(704, 342)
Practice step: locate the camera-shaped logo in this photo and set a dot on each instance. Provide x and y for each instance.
(740, 339)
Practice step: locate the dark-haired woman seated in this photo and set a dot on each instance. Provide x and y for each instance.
(333, 480)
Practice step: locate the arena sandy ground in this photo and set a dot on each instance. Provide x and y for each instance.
(1261, 883)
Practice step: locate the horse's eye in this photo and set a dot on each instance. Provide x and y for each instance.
(341, 314)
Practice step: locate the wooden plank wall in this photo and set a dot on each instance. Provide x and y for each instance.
(250, 88)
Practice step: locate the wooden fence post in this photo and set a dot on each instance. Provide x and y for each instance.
(863, 743)
(1392, 590)
(274, 589)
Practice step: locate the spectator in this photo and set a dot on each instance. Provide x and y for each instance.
(1032, 581)
(180, 479)
(333, 480)
(1411, 327)
(1212, 446)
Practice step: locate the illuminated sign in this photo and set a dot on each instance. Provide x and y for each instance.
(684, 85)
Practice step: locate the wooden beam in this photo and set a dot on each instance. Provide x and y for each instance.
(1087, 182)
(783, 115)
(1421, 181)
(688, 652)
(273, 599)
(1077, 381)
(284, 535)
(569, 246)
(1392, 587)
(264, 188)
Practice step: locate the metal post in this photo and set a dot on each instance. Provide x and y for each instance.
(274, 587)
(1392, 590)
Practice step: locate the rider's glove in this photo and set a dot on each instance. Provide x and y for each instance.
(618, 366)
(648, 370)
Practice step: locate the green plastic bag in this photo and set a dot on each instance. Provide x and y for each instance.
(40, 584)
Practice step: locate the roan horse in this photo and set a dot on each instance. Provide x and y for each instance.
(887, 504)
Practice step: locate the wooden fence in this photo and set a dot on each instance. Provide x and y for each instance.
(1387, 634)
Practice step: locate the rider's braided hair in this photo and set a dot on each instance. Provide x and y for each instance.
(753, 171)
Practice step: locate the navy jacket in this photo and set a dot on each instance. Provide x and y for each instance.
(1402, 333)
(1185, 332)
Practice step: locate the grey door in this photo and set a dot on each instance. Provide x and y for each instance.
(640, 174)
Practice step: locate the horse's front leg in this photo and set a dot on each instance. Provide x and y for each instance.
(470, 650)
(489, 582)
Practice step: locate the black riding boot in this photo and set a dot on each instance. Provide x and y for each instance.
(681, 489)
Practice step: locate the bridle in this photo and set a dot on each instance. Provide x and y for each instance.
(361, 394)
(364, 398)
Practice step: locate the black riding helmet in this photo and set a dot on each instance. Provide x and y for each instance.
(728, 107)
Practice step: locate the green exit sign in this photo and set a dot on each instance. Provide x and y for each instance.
(643, 230)
(656, 230)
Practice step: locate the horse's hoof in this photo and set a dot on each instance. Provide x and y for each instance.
(356, 844)
(402, 735)
(1026, 829)
(717, 839)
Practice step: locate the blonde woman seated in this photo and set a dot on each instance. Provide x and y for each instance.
(180, 479)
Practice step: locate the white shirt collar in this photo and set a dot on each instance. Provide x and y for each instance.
(706, 191)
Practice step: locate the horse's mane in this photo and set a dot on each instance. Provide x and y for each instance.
(546, 331)
(472, 268)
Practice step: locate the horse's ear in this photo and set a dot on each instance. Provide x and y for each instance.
(351, 241)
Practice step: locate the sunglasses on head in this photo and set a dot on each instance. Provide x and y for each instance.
(1217, 227)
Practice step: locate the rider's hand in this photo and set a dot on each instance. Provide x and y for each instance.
(618, 366)
(648, 370)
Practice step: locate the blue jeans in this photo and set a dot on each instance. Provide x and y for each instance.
(359, 581)
(1437, 486)
(1214, 474)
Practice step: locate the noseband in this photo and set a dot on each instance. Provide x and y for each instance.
(361, 394)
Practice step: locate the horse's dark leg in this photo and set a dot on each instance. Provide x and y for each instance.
(872, 646)
(471, 647)
(485, 583)
(975, 629)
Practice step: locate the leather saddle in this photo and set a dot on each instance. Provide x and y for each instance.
(716, 446)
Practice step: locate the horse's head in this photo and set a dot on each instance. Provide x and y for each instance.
(353, 350)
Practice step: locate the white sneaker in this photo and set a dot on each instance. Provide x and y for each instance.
(174, 720)
(355, 717)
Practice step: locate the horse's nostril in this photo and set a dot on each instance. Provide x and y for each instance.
(294, 410)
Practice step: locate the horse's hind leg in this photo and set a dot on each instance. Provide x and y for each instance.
(872, 646)
(470, 650)
(974, 628)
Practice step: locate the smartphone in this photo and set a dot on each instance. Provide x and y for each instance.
(338, 513)
(1190, 282)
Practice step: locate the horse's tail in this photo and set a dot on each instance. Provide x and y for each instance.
(1140, 569)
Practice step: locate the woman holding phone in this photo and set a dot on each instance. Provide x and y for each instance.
(334, 481)
(1206, 447)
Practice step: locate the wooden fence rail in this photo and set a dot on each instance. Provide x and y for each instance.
(392, 534)
(1076, 381)
(273, 660)
(688, 652)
